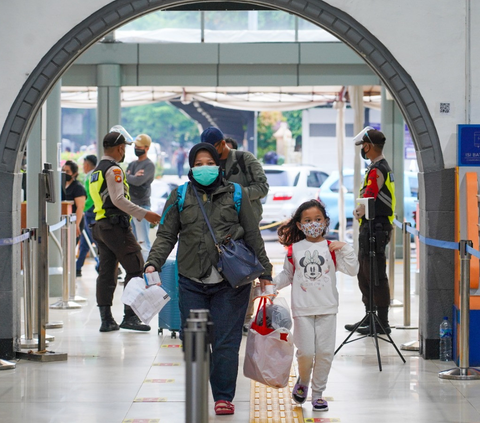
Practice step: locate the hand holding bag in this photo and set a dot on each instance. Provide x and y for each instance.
(237, 261)
(269, 352)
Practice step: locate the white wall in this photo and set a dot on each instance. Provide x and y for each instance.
(316, 149)
(427, 37)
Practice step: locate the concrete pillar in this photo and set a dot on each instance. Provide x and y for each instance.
(393, 127)
(108, 101)
(34, 167)
(53, 149)
(11, 284)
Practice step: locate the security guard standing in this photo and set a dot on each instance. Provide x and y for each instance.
(379, 184)
(112, 231)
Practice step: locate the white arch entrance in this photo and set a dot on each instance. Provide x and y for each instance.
(43, 77)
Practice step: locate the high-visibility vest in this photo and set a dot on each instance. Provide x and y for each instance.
(385, 202)
(103, 205)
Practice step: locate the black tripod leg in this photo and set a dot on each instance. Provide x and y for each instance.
(346, 341)
(390, 339)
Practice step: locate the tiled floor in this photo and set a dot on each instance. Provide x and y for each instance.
(139, 377)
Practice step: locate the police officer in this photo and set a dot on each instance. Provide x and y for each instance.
(112, 231)
(379, 184)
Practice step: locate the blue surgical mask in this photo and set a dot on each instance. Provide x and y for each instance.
(205, 175)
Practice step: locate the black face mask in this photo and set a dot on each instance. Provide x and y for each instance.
(364, 155)
(68, 177)
(139, 152)
(122, 159)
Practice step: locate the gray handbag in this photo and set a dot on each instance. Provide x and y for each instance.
(237, 262)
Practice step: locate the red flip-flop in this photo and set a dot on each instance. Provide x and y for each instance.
(224, 407)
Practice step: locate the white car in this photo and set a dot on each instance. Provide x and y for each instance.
(289, 186)
(160, 192)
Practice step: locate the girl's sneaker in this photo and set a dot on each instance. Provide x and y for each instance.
(320, 405)
(299, 393)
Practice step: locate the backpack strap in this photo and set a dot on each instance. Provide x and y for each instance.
(237, 197)
(181, 190)
(290, 256)
(332, 253)
(240, 161)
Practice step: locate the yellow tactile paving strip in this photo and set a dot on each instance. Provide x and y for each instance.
(269, 405)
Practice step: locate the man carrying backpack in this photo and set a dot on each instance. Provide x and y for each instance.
(243, 168)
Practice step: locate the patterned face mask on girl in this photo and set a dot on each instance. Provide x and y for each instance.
(313, 229)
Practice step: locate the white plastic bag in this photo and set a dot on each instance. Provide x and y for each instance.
(269, 353)
(278, 315)
(145, 301)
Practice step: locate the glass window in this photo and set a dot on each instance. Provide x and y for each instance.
(315, 179)
(281, 178)
(347, 183)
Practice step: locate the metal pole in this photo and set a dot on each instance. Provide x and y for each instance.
(391, 268)
(72, 262)
(407, 251)
(64, 303)
(27, 340)
(406, 274)
(197, 367)
(42, 276)
(32, 292)
(42, 241)
(464, 372)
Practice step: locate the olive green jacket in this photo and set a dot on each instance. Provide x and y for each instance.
(196, 252)
(253, 180)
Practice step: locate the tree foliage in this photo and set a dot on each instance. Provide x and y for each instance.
(164, 123)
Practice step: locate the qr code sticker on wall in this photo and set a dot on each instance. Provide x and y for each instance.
(445, 108)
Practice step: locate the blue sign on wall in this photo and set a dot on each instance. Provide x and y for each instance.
(468, 145)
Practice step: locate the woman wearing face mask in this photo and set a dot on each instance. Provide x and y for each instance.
(74, 191)
(200, 284)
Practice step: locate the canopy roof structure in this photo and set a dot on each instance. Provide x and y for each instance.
(237, 98)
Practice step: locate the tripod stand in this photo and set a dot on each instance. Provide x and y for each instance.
(371, 317)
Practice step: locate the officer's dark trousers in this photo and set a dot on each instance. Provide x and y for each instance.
(115, 244)
(381, 293)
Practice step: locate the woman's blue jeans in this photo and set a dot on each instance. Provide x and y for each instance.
(227, 307)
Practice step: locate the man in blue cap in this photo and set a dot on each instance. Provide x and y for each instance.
(243, 168)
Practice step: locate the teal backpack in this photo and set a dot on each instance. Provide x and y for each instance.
(182, 189)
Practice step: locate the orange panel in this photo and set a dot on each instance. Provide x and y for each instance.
(475, 302)
(471, 184)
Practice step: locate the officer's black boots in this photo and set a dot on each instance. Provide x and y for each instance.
(352, 326)
(132, 322)
(382, 313)
(108, 322)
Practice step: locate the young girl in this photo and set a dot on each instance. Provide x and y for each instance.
(310, 268)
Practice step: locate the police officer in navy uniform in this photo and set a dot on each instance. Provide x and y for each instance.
(112, 231)
(379, 184)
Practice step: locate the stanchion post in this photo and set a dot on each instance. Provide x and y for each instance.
(42, 277)
(464, 372)
(407, 251)
(391, 267)
(28, 341)
(64, 303)
(406, 274)
(196, 348)
(72, 262)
